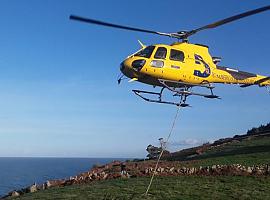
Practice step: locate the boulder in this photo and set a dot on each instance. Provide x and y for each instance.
(171, 170)
(146, 171)
(14, 194)
(249, 170)
(47, 184)
(105, 176)
(32, 188)
(179, 171)
(192, 170)
(41, 187)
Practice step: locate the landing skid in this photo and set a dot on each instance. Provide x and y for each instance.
(180, 89)
(159, 95)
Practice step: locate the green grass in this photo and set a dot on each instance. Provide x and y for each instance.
(247, 152)
(193, 187)
(254, 151)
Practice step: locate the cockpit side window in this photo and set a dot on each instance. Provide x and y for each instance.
(146, 53)
(161, 53)
(177, 55)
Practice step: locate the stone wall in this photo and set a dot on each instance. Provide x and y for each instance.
(139, 169)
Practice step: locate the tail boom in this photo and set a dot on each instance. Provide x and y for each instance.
(232, 76)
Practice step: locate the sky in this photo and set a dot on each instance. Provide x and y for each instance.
(58, 78)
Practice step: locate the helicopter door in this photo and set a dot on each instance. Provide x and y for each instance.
(175, 65)
(157, 63)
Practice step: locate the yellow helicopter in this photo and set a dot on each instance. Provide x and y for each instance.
(181, 66)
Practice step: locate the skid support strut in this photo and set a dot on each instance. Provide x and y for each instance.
(141, 94)
(180, 89)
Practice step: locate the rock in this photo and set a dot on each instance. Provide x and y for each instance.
(259, 171)
(184, 170)
(102, 173)
(47, 184)
(105, 176)
(208, 169)
(249, 170)
(41, 187)
(146, 171)
(14, 194)
(126, 175)
(160, 169)
(88, 178)
(171, 170)
(32, 188)
(192, 170)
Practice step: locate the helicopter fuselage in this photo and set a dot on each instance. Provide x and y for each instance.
(181, 66)
(182, 62)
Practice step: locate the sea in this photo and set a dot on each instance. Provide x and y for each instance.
(17, 173)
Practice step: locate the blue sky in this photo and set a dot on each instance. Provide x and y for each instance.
(58, 89)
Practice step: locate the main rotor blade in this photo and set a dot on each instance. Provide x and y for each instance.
(228, 20)
(93, 21)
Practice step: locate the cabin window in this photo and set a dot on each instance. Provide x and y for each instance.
(146, 53)
(157, 63)
(177, 55)
(161, 53)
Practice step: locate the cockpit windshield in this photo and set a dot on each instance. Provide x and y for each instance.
(146, 53)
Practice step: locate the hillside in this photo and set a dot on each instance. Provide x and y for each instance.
(245, 150)
(231, 168)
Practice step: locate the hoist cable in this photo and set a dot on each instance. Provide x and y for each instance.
(162, 151)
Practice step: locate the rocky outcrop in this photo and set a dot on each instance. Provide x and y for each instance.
(14, 194)
(32, 188)
(154, 152)
(116, 170)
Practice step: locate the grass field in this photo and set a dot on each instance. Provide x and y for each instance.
(193, 187)
(248, 152)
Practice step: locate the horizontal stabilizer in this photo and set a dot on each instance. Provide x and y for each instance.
(262, 80)
(258, 82)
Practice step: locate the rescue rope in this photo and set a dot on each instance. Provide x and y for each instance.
(160, 155)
